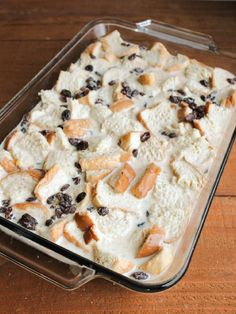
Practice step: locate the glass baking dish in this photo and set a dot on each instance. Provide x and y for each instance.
(59, 265)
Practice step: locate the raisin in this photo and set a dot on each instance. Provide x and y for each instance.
(141, 224)
(175, 99)
(77, 165)
(145, 136)
(111, 83)
(142, 94)
(98, 101)
(50, 199)
(66, 115)
(49, 222)
(181, 92)
(132, 57)
(135, 152)
(80, 197)
(73, 141)
(89, 68)
(58, 213)
(190, 117)
(72, 209)
(93, 84)
(64, 187)
(5, 202)
(102, 211)
(170, 135)
(66, 93)
(134, 93)
(28, 222)
(44, 132)
(203, 98)
(82, 145)
(76, 180)
(125, 44)
(204, 83)
(140, 275)
(8, 213)
(138, 70)
(91, 209)
(231, 80)
(31, 199)
(3, 209)
(190, 101)
(147, 213)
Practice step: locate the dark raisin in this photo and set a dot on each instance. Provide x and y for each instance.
(92, 84)
(66, 115)
(50, 199)
(175, 99)
(48, 222)
(102, 211)
(125, 44)
(72, 209)
(23, 130)
(138, 70)
(147, 213)
(134, 93)
(64, 187)
(31, 199)
(181, 92)
(132, 57)
(89, 68)
(231, 80)
(170, 135)
(66, 93)
(126, 90)
(8, 213)
(141, 93)
(3, 209)
(44, 132)
(77, 165)
(190, 117)
(140, 275)
(28, 222)
(58, 212)
(99, 101)
(91, 209)
(82, 145)
(203, 98)
(80, 197)
(60, 126)
(204, 83)
(5, 202)
(111, 83)
(141, 224)
(84, 91)
(76, 180)
(135, 152)
(190, 101)
(98, 74)
(145, 136)
(73, 141)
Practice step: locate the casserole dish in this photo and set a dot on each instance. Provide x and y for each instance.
(57, 264)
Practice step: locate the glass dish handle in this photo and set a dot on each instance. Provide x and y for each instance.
(182, 36)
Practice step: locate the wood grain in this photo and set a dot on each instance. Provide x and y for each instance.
(31, 32)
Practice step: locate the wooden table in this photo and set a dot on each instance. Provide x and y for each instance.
(31, 32)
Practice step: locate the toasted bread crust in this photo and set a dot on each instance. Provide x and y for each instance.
(90, 235)
(8, 165)
(124, 179)
(76, 128)
(10, 139)
(100, 162)
(153, 242)
(147, 79)
(94, 176)
(146, 183)
(121, 105)
(83, 221)
(230, 101)
(56, 231)
(73, 240)
(48, 177)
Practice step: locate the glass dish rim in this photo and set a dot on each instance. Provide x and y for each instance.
(101, 271)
